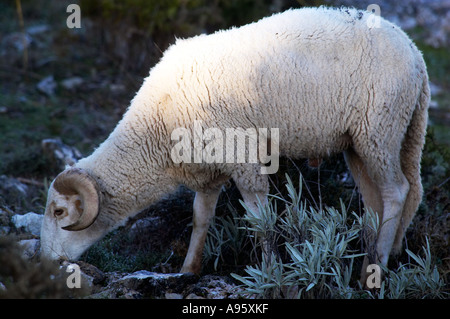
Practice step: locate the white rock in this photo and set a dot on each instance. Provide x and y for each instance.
(31, 222)
(145, 274)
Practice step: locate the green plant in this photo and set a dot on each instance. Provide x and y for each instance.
(414, 280)
(320, 249)
(226, 240)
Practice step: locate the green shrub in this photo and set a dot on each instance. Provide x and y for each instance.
(318, 254)
(414, 280)
(226, 240)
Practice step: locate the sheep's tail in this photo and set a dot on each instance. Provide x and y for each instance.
(410, 157)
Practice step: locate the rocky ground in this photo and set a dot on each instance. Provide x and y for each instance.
(22, 276)
(20, 244)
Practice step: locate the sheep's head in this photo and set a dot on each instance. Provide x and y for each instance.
(73, 204)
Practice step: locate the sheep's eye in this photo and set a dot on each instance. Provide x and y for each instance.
(58, 212)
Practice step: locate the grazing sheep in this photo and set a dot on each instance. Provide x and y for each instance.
(327, 79)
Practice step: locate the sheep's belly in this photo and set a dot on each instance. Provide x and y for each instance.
(314, 147)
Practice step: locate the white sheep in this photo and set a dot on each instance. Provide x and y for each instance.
(326, 78)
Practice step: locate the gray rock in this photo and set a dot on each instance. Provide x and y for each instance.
(96, 275)
(148, 284)
(194, 296)
(47, 85)
(38, 29)
(171, 295)
(60, 154)
(17, 41)
(117, 88)
(214, 287)
(12, 188)
(4, 216)
(30, 222)
(72, 83)
(4, 230)
(435, 89)
(30, 247)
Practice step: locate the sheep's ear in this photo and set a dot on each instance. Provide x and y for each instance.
(75, 181)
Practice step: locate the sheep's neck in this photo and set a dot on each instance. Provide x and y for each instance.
(129, 167)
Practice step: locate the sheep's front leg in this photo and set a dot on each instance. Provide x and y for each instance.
(204, 210)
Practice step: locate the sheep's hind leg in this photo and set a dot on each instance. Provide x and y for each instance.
(372, 199)
(393, 194)
(204, 211)
(385, 172)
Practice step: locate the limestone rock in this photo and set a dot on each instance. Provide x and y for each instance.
(30, 222)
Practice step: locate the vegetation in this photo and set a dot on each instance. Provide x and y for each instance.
(319, 250)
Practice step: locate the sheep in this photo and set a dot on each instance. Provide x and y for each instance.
(325, 78)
